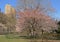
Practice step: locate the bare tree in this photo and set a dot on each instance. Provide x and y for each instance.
(11, 22)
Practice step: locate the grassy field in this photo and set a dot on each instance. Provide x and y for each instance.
(4, 39)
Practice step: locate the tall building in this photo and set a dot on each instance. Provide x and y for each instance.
(11, 13)
(9, 10)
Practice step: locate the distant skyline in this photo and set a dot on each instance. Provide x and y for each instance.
(4, 2)
(55, 4)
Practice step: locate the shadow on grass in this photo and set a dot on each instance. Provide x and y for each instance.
(11, 36)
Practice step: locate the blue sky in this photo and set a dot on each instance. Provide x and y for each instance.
(55, 4)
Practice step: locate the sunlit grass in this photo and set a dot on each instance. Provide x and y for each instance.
(4, 39)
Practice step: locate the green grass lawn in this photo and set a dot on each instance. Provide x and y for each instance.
(4, 39)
